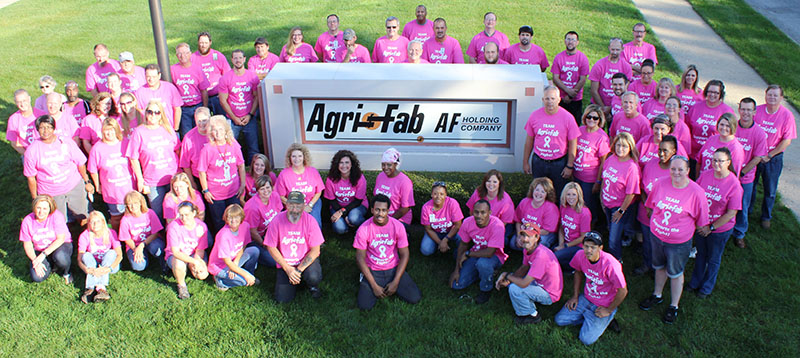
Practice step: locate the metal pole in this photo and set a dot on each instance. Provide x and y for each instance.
(162, 53)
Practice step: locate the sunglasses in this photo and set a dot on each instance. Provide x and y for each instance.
(440, 183)
(594, 118)
(150, 111)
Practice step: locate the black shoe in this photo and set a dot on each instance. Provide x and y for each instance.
(701, 295)
(692, 289)
(670, 315)
(315, 292)
(614, 326)
(529, 319)
(483, 297)
(649, 302)
(641, 270)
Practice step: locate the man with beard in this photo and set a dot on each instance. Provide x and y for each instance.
(192, 85)
(163, 91)
(237, 93)
(442, 48)
(132, 76)
(619, 84)
(329, 42)
(489, 34)
(570, 68)
(526, 52)
(491, 54)
(352, 52)
(603, 70)
(97, 72)
(214, 65)
(74, 104)
(420, 28)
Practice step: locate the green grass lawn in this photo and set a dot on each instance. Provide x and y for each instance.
(753, 311)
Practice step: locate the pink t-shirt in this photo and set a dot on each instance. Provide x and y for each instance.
(546, 216)
(616, 106)
(54, 165)
(603, 278)
(78, 111)
(184, 240)
(722, 195)
(619, 179)
(778, 126)
(132, 81)
(191, 146)
(388, 51)
(448, 51)
(652, 108)
(413, 30)
(303, 53)
(42, 234)
(190, 82)
(637, 54)
(638, 126)
(329, 45)
(96, 76)
(214, 64)
(344, 192)
(648, 150)
(651, 173)
(227, 245)
(400, 191)
(492, 235)
(754, 143)
(602, 71)
(688, 98)
(381, 243)
(676, 212)
(166, 93)
(475, 48)
(259, 215)
(293, 241)
(66, 126)
(441, 220)
(534, 56)
(171, 202)
(545, 270)
(551, 132)
(705, 156)
(569, 68)
(113, 169)
(702, 120)
(155, 150)
(645, 92)
(502, 209)
(221, 162)
(500, 61)
(96, 245)
(241, 91)
(591, 147)
(92, 129)
(574, 223)
(262, 66)
(22, 129)
(360, 55)
(250, 183)
(309, 183)
(139, 228)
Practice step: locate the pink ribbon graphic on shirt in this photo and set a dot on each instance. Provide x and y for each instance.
(547, 142)
(293, 247)
(382, 249)
(705, 130)
(667, 215)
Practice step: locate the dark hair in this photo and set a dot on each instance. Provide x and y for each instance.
(715, 83)
(748, 100)
(45, 119)
(662, 119)
(380, 198)
(440, 19)
(334, 15)
(572, 33)
(204, 33)
(482, 201)
(237, 50)
(669, 138)
(152, 66)
(727, 152)
(261, 41)
(648, 62)
(185, 204)
(355, 167)
(774, 86)
(594, 237)
(620, 75)
(501, 189)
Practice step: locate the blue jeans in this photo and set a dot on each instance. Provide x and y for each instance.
(215, 209)
(61, 258)
(156, 199)
(215, 107)
(477, 268)
(591, 200)
(248, 262)
(615, 230)
(647, 247)
(187, 119)
(428, 246)
(770, 172)
(550, 240)
(355, 216)
(708, 259)
(742, 220)
(550, 169)
(89, 261)
(524, 299)
(264, 258)
(592, 326)
(154, 249)
(565, 255)
(250, 132)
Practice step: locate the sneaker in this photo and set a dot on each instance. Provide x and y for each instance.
(670, 315)
(102, 296)
(766, 224)
(693, 253)
(626, 242)
(315, 292)
(649, 302)
(641, 270)
(701, 295)
(183, 293)
(219, 285)
(739, 243)
(528, 319)
(614, 326)
(483, 297)
(67, 279)
(86, 297)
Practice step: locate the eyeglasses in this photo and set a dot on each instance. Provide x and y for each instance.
(150, 111)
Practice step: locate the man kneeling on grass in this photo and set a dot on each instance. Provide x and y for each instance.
(538, 280)
(382, 254)
(604, 291)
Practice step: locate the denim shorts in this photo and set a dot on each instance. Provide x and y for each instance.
(671, 256)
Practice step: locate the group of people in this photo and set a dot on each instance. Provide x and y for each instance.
(670, 166)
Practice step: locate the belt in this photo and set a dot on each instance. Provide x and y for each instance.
(549, 160)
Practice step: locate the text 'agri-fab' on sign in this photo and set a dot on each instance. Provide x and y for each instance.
(440, 117)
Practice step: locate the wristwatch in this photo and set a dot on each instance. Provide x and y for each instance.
(711, 227)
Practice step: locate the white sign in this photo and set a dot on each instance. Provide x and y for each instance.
(463, 123)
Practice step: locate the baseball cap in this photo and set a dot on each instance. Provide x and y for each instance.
(125, 56)
(530, 229)
(296, 197)
(594, 237)
(526, 28)
(348, 34)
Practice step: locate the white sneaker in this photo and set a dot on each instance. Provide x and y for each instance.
(693, 253)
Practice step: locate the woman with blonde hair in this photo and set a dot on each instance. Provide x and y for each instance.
(688, 91)
(110, 170)
(665, 90)
(129, 115)
(299, 175)
(221, 169)
(231, 261)
(538, 207)
(576, 221)
(100, 254)
(46, 240)
(295, 50)
(620, 185)
(140, 230)
(181, 190)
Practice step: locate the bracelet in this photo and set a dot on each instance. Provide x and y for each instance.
(205, 191)
(570, 167)
(87, 182)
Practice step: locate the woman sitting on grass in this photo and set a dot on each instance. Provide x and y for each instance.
(100, 254)
(187, 240)
(441, 217)
(232, 263)
(140, 231)
(46, 240)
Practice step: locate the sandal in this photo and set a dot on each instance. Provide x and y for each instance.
(86, 297)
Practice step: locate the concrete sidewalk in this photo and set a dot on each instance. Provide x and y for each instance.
(690, 40)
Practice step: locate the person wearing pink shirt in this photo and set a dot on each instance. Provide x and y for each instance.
(702, 118)
(492, 189)
(299, 175)
(132, 76)
(21, 125)
(238, 91)
(724, 194)
(111, 171)
(620, 185)
(576, 222)
(603, 70)
(570, 68)
(263, 61)
(97, 72)
(214, 65)
(538, 207)
(480, 251)
(420, 28)
(657, 104)
(329, 42)
(441, 219)
(605, 289)
(103, 108)
(259, 166)
(141, 231)
(619, 85)
(114, 86)
(672, 108)
(187, 241)
(644, 87)
(55, 166)
(630, 120)
(687, 90)
(259, 212)
(230, 262)
(181, 190)
(552, 136)
(592, 149)
(396, 185)
(725, 137)
(48, 85)
(192, 85)
(100, 253)
(491, 54)
(391, 48)
(75, 105)
(382, 254)
(295, 50)
(638, 51)
(414, 50)
(152, 153)
(442, 48)
(46, 240)
(753, 140)
(778, 123)
(648, 146)
(537, 280)
(352, 52)
(346, 190)
(193, 142)
(293, 239)
(163, 91)
(678, 208)
(221, 169)
(526, 52)
(475, 50)
(129, 116)
(66, 127)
